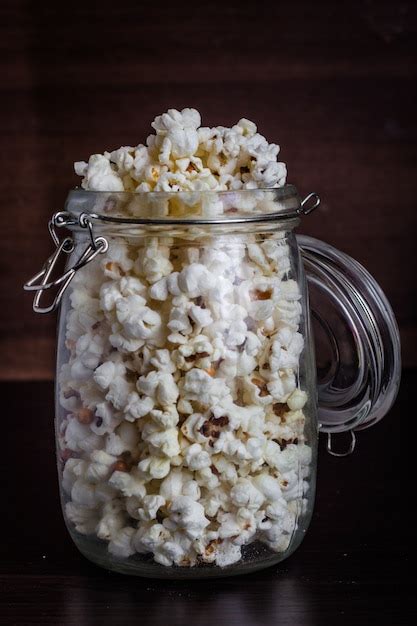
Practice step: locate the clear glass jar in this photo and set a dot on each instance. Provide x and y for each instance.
(187, 404)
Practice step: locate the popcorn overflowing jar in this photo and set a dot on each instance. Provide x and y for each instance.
(189, 393)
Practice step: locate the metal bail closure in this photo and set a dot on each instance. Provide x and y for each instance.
(41, 281)
(310, 203)
(357, 343)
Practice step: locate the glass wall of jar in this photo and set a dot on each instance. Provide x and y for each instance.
(186, 414)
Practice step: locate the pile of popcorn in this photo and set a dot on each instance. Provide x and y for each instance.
(182, 434)
(184, 156)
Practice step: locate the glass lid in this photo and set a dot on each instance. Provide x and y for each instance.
(356, 337)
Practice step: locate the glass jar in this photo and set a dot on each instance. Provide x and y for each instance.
(188, 396)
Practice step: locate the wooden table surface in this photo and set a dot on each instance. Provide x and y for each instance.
(354, 566)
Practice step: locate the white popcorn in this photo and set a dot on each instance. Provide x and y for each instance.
(187, 515)
(195, 280)
(84, 493)
(100, 467)
(172, 485)
(162, 361)
(72, 470)
(159, 290)
(196, 458)
(159, 385)
(150, 536)
(165, 419)
(137, 406)
(207, 478)
(138, 321)
(105, 374)
(84, 518)
(297, 399)
(153, 262)
(201, 386)
(268, 486)
(200, 316)
(244, 494)
(227, 554)
(181, 391)
(119, 391)
(113, 520)
(121, 544)
(124, 439)
(164, 441)
(78, 437)
(192, 489)
(155, 467)
(98, 174)
(128, 484)
(150, 506)
(236, 157)
(88, 350)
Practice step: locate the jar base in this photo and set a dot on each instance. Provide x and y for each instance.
(256, 557)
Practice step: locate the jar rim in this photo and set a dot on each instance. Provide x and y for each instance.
(153, 207)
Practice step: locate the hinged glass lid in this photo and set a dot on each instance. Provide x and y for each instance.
(356, 337)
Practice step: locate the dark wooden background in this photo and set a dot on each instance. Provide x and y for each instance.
(333, 83)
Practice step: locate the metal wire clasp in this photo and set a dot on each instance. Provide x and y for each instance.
(41, 281)
(310, 203)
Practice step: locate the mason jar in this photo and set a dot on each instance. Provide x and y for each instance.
(189, 390)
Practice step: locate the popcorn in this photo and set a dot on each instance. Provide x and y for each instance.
(149, 537)
(199, 385)
(187, 515)
(98, 174)
(84, 518)
(196, 458)
(268, 486)
(100, 467)
(113, 520)
(159, 385)
(227, 554)
(297, 400)
(137, 406)
(138, 321)
(88, 350)
(105, 374)
(78, 437)
(124, 439)
(121, 545)
(155, 467)
(150, 506)
(153, 262)
(195, 280)
(182, 435)
(162, 441)
(244, 494)
(128, 484)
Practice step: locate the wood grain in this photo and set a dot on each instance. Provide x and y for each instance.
(354, 566)
(333, 84)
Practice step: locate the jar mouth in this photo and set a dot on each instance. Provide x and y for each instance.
(186, 207)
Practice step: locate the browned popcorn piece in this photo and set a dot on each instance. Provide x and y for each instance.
(261, 295)
(212, 427)
(280, 409)
(262, 386)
